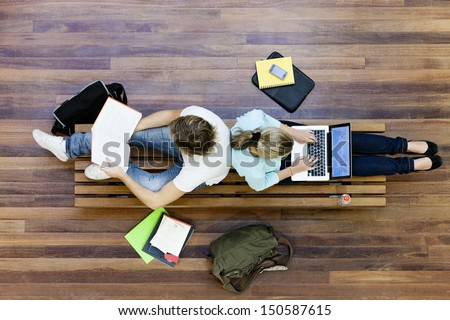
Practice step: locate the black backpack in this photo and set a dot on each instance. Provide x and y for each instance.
(85, 106)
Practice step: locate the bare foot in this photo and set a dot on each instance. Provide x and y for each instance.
(419, 147)
(422, 164)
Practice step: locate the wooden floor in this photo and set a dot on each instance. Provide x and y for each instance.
(379, 59)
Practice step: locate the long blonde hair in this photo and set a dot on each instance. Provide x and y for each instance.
(269, 143)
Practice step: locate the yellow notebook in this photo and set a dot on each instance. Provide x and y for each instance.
(268, 80)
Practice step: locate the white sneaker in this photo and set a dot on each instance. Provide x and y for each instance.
(94, 172)
(54, 144)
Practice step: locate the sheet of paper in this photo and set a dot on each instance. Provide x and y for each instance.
(107, 147)
(171, 235)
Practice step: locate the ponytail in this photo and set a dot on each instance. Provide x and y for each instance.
(243, 140)
(269, 143)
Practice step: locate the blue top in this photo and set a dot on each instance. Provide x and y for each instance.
(259, 173)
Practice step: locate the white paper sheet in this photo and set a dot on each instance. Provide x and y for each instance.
(171, 235)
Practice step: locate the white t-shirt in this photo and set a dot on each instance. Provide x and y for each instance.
(209, 169)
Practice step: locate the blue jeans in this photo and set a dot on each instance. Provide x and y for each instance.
(366, 163)
(367, 159)
(157, 139)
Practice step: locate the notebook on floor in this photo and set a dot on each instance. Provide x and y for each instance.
(289, 97)
(333, 149)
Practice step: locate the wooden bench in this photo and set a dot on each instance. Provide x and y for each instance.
(233, 191)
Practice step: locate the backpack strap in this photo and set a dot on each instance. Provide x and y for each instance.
(118, 92)
(277, 263)
(284, 259)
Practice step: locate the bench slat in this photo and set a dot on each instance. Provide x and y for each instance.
(245, 190)
(357, 125)
(241, 202)
(233, 177)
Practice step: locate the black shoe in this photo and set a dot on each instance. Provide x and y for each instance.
(432, 149)
(436, 162)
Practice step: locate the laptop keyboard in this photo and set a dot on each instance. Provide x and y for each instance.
(318, 150)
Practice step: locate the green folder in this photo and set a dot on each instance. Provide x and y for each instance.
(138, 236)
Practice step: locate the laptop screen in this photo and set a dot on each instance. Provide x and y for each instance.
(341, 151)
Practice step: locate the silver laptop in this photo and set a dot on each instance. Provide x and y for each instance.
(333, 151)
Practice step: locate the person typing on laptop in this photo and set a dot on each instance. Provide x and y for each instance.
(261, 148)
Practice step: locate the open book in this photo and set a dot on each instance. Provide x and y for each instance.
(111, 131)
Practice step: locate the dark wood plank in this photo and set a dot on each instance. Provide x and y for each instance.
(243, 202)
(380, 60)
(246, 190)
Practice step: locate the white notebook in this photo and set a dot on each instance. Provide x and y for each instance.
(171, 235)
(111, 131)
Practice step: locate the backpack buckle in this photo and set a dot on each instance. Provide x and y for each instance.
(275, 268)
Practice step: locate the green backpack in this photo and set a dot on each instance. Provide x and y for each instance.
(240, 255)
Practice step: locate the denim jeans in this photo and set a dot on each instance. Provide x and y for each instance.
(368, 150)
(369, 164)
(157, 139)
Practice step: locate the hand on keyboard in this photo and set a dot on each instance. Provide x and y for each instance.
(304, 163)
(304, 136)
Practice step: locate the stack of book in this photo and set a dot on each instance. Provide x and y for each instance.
(160, 236)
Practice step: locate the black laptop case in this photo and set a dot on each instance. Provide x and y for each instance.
(291, 96)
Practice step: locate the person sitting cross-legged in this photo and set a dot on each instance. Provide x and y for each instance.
(196, 138)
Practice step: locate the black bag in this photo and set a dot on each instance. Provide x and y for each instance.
(289, 97)
(85, 106)
(240, 255)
